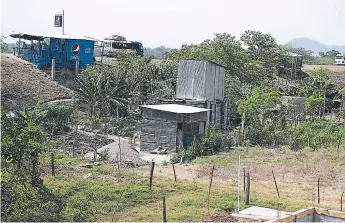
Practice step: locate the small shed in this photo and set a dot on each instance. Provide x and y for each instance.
(39, 49)
(171, 126)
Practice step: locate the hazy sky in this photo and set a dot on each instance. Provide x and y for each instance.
(174, 22)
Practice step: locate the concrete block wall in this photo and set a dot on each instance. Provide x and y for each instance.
(158, 128)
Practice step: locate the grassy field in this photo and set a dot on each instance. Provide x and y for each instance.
(111, 195)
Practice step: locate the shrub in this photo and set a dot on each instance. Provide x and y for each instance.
(213, 142)
(21, 202)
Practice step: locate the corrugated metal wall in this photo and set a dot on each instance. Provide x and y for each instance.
(200, 80)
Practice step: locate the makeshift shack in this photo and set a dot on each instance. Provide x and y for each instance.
(171, 126)
(201, 84)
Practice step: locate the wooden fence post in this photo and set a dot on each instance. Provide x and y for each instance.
(209, 190)
(275, 182)
(94, 153)
(248, 189)
(151, 173)
(318, 190)
(164, 211)
(174, 172)
(52, 164)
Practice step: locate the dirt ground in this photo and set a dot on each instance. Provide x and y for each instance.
(22, 84)
(328, 67)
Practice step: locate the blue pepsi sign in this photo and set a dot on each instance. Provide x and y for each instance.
(58, 21)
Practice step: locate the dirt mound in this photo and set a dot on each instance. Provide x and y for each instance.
(22, 84)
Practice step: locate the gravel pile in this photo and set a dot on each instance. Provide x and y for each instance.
(128, 154)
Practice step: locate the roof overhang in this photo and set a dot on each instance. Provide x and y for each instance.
(41, 36)
(176, 108)
(293, 54)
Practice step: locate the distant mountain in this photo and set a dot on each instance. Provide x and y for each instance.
(315, 46)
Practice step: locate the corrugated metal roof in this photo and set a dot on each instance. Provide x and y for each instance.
(175, 108)
(30, 35)
(293, 54)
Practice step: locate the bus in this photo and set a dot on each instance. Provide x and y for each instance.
(340, 59)
(114, 45)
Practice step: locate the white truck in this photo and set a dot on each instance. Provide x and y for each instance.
(340, 59)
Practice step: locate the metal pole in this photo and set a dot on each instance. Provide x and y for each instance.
(76, 67)
(238, 183)
(63, 22)
(341, 201)
(53, 69)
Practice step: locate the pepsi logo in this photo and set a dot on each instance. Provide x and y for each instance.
(75, 49)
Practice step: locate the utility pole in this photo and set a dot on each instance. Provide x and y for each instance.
(63, 22)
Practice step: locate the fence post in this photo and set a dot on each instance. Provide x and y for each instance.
(52, 164)
(94, 153)
(164, 211)
(248, 189)
(151, 173)
(275, 182)
(318, 190)
(209, 190)
(174, 172)
(53, 69)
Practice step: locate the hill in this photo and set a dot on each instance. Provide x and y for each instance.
(22, 84)
(314, 45)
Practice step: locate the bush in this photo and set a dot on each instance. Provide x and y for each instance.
(21, 202)
(213, 142)
(78, 209)
(319, 133)
(52, 118)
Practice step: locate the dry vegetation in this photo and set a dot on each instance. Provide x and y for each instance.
(296, 174)
(24, 85)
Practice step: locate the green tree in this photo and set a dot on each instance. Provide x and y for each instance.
(22, 142)
(332, 53)
(262, 47)
(258, 111)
